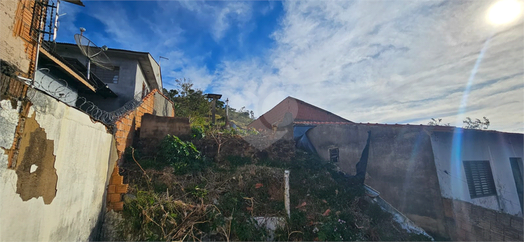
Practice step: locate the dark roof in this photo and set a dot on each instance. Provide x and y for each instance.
(77, 2)
(100, 87)
(143, 59)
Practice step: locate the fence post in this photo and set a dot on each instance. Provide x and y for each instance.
(286, 190)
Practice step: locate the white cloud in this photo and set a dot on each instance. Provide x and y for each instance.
(386, 61)
(368, 61)
(68, 15)
(219, 16)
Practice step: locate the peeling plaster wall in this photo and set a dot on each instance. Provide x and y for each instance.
(83, 150)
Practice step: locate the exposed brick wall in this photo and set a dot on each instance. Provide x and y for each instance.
(12, 87)
(13, 47)
(125, 129)
(466, 221)
(18, 35)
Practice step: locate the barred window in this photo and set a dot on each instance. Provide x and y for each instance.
(333, 154)
(479, 178)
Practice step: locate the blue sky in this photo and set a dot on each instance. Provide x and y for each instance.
(369, 61)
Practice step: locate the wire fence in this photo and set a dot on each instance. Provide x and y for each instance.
(60, 89)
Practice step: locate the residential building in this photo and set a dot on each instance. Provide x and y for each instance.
(132, 75)
(290, 110)
(455, 183)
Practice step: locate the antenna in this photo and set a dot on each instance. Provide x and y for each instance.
(93, 53)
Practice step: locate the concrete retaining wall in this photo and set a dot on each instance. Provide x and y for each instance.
(400, 166)
(155, 128)
(52, 188)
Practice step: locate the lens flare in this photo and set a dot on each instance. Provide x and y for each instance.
(504, 11)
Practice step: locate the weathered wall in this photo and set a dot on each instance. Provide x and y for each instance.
(400, 166)
(258, 147)
(13, 47)
(495, 147)
(53, 188)
(155, 128)
(163, 106)
(468, 222)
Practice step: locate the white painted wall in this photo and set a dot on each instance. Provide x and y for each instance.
(157, 72)
(478, 145)
(140, 79)
(83, 149)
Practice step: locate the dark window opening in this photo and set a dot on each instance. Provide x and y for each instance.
(516, 168)
(333, 154)
(107, 76)
(479, 178)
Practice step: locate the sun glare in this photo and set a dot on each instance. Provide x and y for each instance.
(505, 11)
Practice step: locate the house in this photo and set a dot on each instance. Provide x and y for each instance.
(455, 183)
(132, 76)
(65, 79)
(289, 111)
(59, 151)
(292, 110)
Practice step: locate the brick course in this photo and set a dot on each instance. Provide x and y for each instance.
(124, 134)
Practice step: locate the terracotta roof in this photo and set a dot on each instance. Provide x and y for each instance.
(300, 111)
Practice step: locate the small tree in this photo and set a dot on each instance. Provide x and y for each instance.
(476, 124)
(437, 122)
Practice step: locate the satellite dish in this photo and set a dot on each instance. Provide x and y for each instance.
(93, 53)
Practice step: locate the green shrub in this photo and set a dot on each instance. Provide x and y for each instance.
(197, 132)
(182, 156)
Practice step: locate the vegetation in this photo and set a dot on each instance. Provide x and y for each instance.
(476, 124)
(178, 195)
(191, 102)
(437, 122)
(468, 123)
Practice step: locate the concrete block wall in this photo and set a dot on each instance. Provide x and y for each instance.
(468, 222)
(125, 129)
(155, 128)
